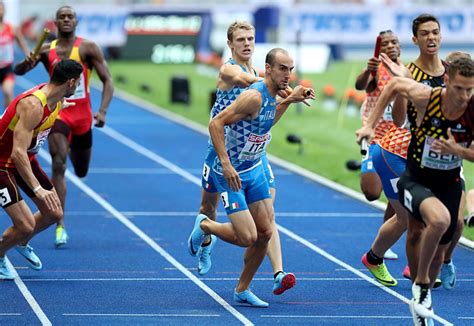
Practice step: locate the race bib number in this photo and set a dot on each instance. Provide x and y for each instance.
(434, 160)
(4, 197)
(40, 139)
(206, 171)
(254, 147)
(225, 199)
(80, 90)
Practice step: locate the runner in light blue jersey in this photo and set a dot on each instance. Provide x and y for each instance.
(240, 177)
(234, 77)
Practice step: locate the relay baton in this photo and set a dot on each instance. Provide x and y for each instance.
(41, 40)
(378, 45)
(364, 146)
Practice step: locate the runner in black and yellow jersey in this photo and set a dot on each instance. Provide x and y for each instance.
(430, 188)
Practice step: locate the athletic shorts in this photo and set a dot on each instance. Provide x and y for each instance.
(6, 73)
(254, 188)
(207, 180)
(79, 142)
(389, 167)
(11, 182)
(411, 192)
(367, 164)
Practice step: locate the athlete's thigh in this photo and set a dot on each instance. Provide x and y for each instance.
(20, 213)
(58, 145)
(262, 213)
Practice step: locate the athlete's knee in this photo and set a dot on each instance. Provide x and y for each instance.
(371, 194)
(26, 227)
(58, 165)
(55, 215)
(247, 239)
(440, 222)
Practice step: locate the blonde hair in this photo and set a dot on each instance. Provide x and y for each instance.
(456, 55)
(238, 25)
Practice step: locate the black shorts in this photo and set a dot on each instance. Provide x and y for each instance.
(412, 191)
(79, 142)
(11, 182)
(5, 72)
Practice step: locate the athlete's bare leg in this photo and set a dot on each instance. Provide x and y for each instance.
(59, 149)
(371, 186)
(459, 229)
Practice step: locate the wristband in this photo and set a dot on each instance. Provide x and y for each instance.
(36, 189)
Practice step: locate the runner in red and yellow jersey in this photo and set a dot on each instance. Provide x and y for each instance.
(72, 133)
(8, 35)
(24, 126)
(373, 80)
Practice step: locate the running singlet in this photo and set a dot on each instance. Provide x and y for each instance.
(422, 77)
(421, 158)
(7, 41)
(9, 120)
(79, 116)
(246, 140)
(385, 122)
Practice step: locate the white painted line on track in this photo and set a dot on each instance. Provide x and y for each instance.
(164, 162)
(142, 315)
(9, 314)
(28, 296)
(107, 206)
(336, 317)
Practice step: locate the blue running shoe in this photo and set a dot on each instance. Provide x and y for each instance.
(61, 236)
(204, 262)
(283, 282)
(33, 261)
(448, 275)
(5, 273)
(197, 236)
(248, 297)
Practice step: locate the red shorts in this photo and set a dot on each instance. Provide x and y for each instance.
(78, 117)
(11, 182)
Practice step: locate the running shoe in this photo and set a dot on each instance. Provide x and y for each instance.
(448, 275)
(283, 282)
(406, 272)
(204, 262)
(422, 304)
(61, 236)
(380, 272)
(33, 261)
(417, 319)
(390, 255)
(437, 283)
(248, 297)
(197, 236)
(5, 273)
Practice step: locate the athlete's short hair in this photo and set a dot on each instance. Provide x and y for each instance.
(455, 55)
(462, 65)
(421, 19)
(238, 25)
(271, 55)
(64, 7)
(64, 70)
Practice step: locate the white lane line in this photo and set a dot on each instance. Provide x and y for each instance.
(162, 161)
(111, 170)
(350, 268)
(336, 317)
(131, 214)
(9, 314)
(142, 315)
(28, 296)
(107, 206)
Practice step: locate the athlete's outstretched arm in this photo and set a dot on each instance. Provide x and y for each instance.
(232, 75)
(297, 95)
(30, 62)
(95, 56)
(246, 106)
(413, 91)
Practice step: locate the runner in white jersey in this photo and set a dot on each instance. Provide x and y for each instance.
(240, 177)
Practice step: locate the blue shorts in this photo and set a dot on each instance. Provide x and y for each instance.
(254, 188)
(367, 164)
(207, 181)
(389, 168)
